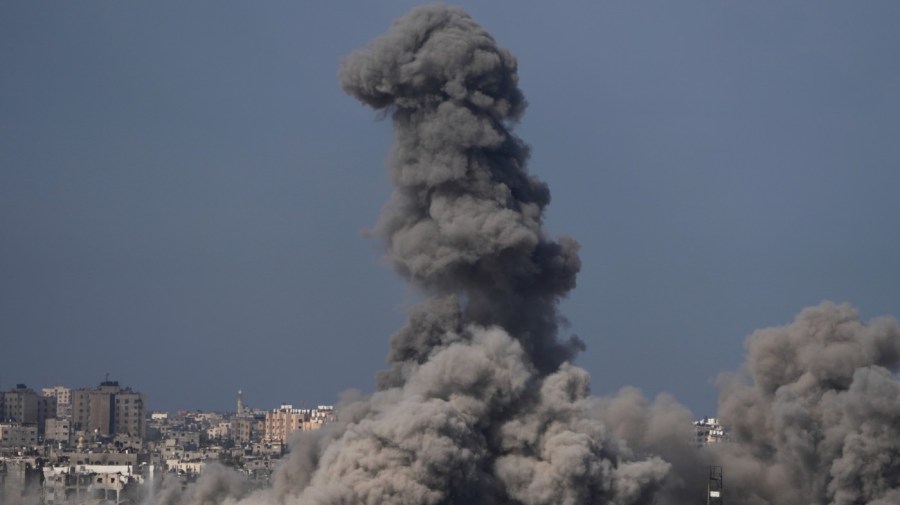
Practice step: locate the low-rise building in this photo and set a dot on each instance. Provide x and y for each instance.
(58, 431)
(220, 431)
(18, 435)
(183, 439)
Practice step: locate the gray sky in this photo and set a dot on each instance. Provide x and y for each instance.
(184, 187)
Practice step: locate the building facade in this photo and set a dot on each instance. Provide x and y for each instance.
(109, 409)
(22, 405)
(58, 430)
(708, 431)
(283, 421)
(18, 435)
(63, 397)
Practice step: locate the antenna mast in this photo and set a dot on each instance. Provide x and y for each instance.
(714, 487)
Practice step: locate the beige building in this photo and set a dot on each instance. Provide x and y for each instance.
(62, 394)
(59, 431)
(283, 421)
(220, 431)
(63, 397)
(109, 409)
(242, 429)
(23, 405)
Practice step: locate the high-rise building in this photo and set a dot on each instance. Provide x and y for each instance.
(109, 409)
(63, 397)
(22, 405)
(62, 394)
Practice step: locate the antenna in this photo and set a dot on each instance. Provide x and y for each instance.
(714, 487)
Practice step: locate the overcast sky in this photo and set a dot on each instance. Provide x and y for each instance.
(184, 188)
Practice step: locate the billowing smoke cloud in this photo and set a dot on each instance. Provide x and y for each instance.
(480, 402)
(217, 486)
(465, 218)
(816, 412)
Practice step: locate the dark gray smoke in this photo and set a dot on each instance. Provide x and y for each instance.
(480, 403)
(465, 218)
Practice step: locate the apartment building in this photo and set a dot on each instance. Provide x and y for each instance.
(63, 397)
(18, 435)
(22, 405)
(283, 421)
(109, 409)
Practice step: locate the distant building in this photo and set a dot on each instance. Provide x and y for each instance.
(183, 439)
(708, 431)
(109, 409)
(220, 431)
(63, 397)
(283, 421)
(22, 405)
(244, 429)
(20, 479)
(62, 394)
(18, 435)
(59, 431)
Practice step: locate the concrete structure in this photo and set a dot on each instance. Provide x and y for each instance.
(62, 394)
(22, 405)
(63, 397)
(283, 421)
(243, 429)
(59, 431)
(220, 431)
(183, 439)
(109, 409)
(100, 483)
(708, 431)
(180, 466)
(16, 435)
(20, 477)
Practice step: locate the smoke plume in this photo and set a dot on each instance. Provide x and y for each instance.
(815, 412)
(480, 403)
(465, 217)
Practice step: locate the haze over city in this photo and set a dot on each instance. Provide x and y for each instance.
(185, 188)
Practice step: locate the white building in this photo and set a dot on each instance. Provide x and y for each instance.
(708, 431)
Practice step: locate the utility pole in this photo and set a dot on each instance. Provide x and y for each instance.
(714, 486)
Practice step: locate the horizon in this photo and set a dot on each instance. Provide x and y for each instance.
(186, 196)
